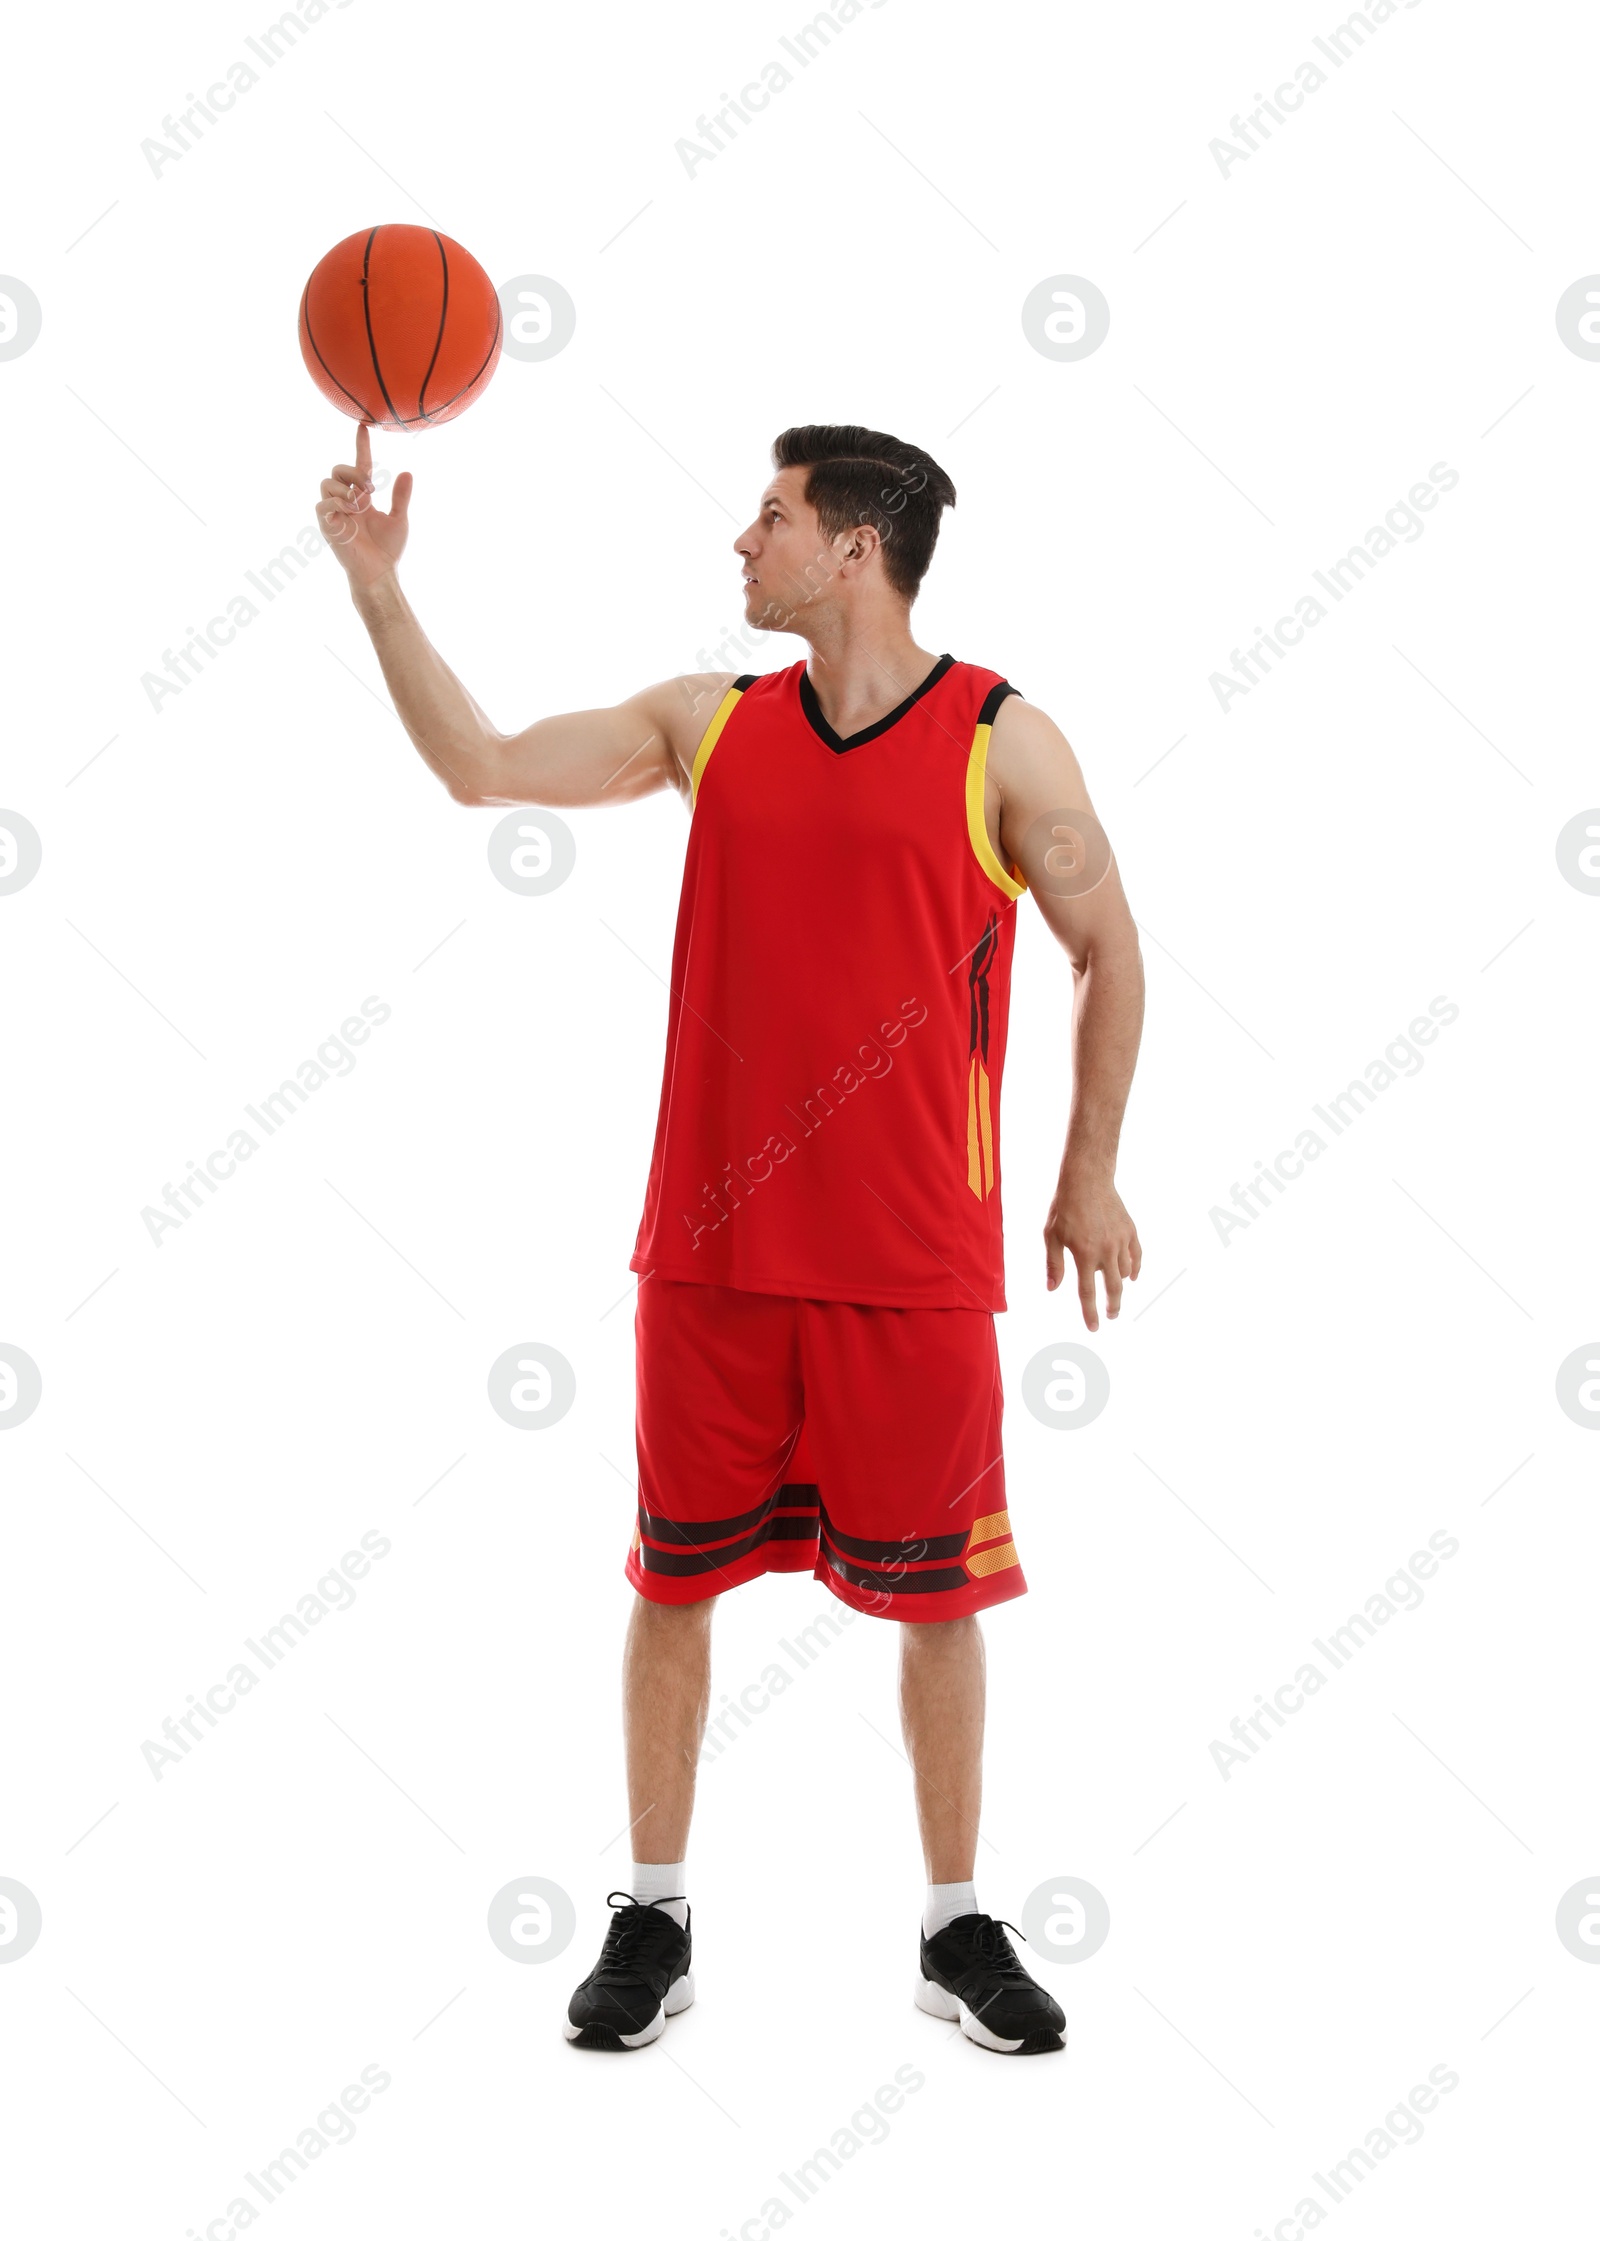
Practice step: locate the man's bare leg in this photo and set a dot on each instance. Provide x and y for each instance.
(970, 1972)
(666, 1695)
(941, 1717)
(643, 1974)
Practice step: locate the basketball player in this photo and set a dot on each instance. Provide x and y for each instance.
(820, 1255)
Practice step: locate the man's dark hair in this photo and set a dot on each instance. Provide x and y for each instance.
(861, 475)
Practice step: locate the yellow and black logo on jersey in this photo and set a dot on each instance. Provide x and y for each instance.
(980, 1117)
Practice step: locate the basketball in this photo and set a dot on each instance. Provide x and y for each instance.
(400, 326)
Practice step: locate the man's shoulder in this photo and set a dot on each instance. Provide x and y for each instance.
(692, 700)
(1021, 725)
(681, 708)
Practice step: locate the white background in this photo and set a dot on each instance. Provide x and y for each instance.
(1292, 1413)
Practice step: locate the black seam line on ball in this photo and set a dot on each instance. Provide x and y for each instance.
(305, 313)
(426, 419)
(444, 307)
(478, 376)
(366, 308)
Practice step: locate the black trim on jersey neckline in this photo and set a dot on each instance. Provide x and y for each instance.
(830, 738)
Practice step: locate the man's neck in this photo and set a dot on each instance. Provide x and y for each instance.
(859, 675)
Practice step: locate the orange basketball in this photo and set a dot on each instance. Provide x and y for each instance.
(399, 326)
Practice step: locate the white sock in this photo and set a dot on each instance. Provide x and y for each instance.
(653, 1883)
(946, 1903)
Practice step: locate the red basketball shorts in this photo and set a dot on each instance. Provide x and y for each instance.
(861, 1444)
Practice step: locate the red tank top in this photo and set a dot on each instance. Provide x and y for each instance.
(829, 1122)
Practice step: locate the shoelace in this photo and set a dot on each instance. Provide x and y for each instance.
(636, 1925)
(993, 1946)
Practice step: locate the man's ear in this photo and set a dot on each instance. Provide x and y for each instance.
(860, 542)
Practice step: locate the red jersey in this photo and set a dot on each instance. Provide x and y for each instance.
(830, 1110)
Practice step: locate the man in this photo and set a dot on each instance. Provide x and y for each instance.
(820, 1255)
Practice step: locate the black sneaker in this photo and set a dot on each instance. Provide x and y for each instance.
(641, 1977)
(970, 1973)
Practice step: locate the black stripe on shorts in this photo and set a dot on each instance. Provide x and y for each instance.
(684, 1564)
(698, 1532)
(940, 1582)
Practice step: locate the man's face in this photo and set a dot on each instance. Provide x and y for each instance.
(787, 560)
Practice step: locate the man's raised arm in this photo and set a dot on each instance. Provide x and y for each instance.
(594, 755)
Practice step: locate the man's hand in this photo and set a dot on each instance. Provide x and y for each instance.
(1089, 1221)
(368, 543)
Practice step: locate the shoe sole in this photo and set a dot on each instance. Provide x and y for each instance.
(604, 2037)
(933, 1999)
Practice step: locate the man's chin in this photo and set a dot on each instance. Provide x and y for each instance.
(766, 614)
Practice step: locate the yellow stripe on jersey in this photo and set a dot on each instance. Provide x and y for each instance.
(984, 1128)
(980, 1131)
(977, 824)
(713, 732)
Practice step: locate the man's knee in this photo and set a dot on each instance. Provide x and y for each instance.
(672, 1618)
(939, 1634)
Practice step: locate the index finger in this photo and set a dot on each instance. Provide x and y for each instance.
(363, 453)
